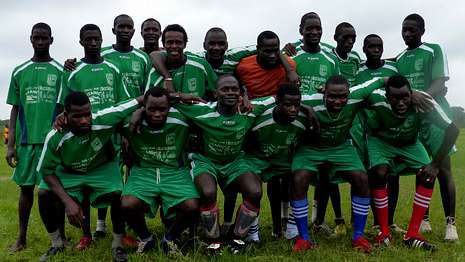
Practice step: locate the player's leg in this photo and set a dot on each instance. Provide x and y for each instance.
(118, 225)
(322, 191)
(86, 238)
(378, 180)
(285, 188)
(101, 229)
(50, 208)
(274, 196)
(335, 196)
(134, 214)
(447, 187)
(26, 200)
(209, 212)
(393, 196)
(229, 206)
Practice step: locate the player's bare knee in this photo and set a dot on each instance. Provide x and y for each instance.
(253, 195)
(360, 181)
(190, 205)
(129, 203)
(208, 194)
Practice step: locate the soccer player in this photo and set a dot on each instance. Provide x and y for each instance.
(335, 109)
(78, 165)
(160, 171)
(32, 93)
(394, 133)
(425, 66)
(150, 30)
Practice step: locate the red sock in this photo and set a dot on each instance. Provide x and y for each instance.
(420, 205)
(380, 199)
(212, 208)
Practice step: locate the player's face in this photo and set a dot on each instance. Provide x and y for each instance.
(228, 91)
(215, 44)
(411, 32)
(268, 52)
(79, 119)
(290, 106)
(400, 99)
(345, 39)
(373, 48)
(91, 41)
(174, 44)
(336, 96)
(156, 110)
(41, 40)
(124, 29)
(151, 32)
(311, 31)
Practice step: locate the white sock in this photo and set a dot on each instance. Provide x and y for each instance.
(101, 226)
(314, 211)
(55, 237)
(285, 210)
(253, 231)
(117, 240)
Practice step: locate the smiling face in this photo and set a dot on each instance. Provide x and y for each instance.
(216, 45)
(151, 32)
(336, 97)
(174, 45)
(412, 32)
(311, 31)
(228, 91)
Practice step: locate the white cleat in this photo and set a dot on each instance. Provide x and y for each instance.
(291, 232)
(451, 233)
(425, 226)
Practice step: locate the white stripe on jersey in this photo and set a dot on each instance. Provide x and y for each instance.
(172, 120)
(42, 155)
(364, 84)
(316, 96)
(210, 115)
(118, 108)
(22, 68)
(441, 112)
(108, 51)
(139, 53)
(196, 64)
(297, 123)
(57, 65)
(100, 127)
(390, 67)
(263, 124)
(329, 59)
(63, 139)
(111, 65)
(81, 66)
(427, 48)
(401, 54)
(446, 64)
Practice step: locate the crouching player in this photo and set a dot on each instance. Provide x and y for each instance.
(394, 136)
(79, 166)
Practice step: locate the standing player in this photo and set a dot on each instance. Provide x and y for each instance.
(425, 66)
(394, 133)
(33, 92)
(150, 30)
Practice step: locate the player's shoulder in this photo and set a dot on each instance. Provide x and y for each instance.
(141, 54)
(268, 100)
(175, 117)
(111, 65)
(21, 67)
(57, 65)
(243, 49)
(197, 62)
(54, 137)
(107, 50)
(329, 56)
(363, 67)
(355, 56)
(435, 47)
(326, 47)
(390, 65)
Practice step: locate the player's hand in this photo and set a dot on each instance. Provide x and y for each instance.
(136, 121)
(74, 213)
(443, 91)
(70, 64)
(293, 78)
(168, 85)
(313, 122)
(60, 122)
(422, 101)
(11, 157)
(290, 49)
(429, 172)
(244, 105)
(190, 99)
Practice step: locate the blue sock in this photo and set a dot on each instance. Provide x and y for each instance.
(300, 212)
(360, 209)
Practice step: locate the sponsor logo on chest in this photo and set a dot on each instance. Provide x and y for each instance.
(109, 78)
(136, 66)
(323, 70)
(51, 79)
(192, 84)
(419, 64)
(96, 144)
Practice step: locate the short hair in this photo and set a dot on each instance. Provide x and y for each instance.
(75, 99)
(42, 25)
(337, 80)
(417, 18)
(174, 28)
(215, 30)
(287, 89)
(156, 91)
(341, 26)
(119, 17)
(88, 27)
(307, 16)
(397, 81)
(221, 77)
(365, 40)
(266, 35)
(150, 20)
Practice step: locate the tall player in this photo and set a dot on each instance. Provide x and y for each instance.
(150, 30)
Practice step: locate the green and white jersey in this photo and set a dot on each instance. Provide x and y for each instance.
(195, 77)
(134, 67)
(349, 66)
(223, 136)
(232, 57)
(422, 65)
(101, 82)
(272, 141)
(160, 148)
(81, 153)
(335, 127)
(34, 89)
(401, 130)
(324, 46)
(364, 74)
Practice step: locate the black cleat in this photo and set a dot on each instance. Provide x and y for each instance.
(51, 252)
(97, 235)
(119, 255)
(235, 246)
(419, 242)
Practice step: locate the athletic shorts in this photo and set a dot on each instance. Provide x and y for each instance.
(341, 158)
(25, 173)
(411, 157)
(224, 174)
(100, 181)
(172, 186)
(267, 169)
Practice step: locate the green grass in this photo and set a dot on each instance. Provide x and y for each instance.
(271, 250)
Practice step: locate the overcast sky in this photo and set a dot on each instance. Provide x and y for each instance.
(242, 21)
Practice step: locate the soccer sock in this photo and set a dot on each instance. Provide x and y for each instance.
(291, 227)
(253, 231)
(314, 211)
(380, 200)
(420, 204)
(245, 217)
(209, 220)
(117, 240)
(300, 212)
(101, 225)
(56, 239)
(360, 209)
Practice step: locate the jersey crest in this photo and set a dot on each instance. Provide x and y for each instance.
(51, 79)
(109, 77)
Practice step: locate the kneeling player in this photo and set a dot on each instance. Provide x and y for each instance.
(79, 166)
(394, 135)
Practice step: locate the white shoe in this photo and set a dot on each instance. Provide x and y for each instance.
(451, 233)
(425, 226)
(291, 231)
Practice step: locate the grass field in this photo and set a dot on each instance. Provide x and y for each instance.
(270, 250)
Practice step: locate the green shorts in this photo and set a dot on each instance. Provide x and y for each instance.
(341, 158)
(172, 186)
(101, 181)
(412, 157)
(267, 169)
(224, 174)
(25, 173)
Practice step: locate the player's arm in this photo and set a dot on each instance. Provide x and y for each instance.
(11, 157)
(210, 81)
(115, 114)
(438, 87)
(158, 59)
(439, 73)
(364, 90)
(291, 74)
(70, 64)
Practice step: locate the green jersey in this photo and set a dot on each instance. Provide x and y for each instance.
(335, 127)
(422, 65)
(195, 77)
(101, 82)
(134, 66)
(160, 148)
(82, 153)
(34, 89)
(349, 66)
(364, 74)
(223, 136)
